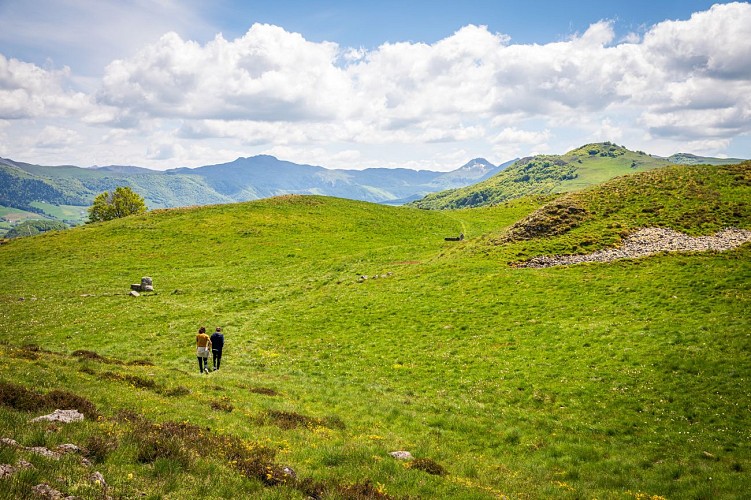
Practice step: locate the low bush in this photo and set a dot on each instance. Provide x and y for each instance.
(263, 390)
(291, 420)
(83, 353)
(64, 400)
(134, 380)
(222, 404)
(96, 448)
(178, 391)
(427, 465)
(20, 398)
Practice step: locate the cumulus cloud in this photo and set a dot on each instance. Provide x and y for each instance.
(514, 135)
(682, 81)
(715, 43)
(57, 137)
(433, 93)
(28, 91)
(266, 75)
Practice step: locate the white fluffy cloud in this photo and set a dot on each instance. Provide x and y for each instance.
(266, 75)
(28, 91)
(682, 84)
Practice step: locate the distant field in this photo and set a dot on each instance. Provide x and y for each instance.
(16, 215)
(12, 216)
(63, 212)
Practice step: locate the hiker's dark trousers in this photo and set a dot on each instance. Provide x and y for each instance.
(217, 358)
(202, 363)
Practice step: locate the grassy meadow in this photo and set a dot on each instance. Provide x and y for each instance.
(71, 213)
(620, 380)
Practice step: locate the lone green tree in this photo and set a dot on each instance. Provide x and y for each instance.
(121, 202)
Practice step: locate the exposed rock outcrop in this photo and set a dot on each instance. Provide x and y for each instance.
(650, 241)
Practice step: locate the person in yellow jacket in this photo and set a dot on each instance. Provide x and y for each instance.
(203, 348)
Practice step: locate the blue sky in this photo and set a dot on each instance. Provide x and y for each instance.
(412, 84)
(370, 24)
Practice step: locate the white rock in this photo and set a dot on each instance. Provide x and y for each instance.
(401, 455)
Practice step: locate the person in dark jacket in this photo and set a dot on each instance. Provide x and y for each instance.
(217, 343)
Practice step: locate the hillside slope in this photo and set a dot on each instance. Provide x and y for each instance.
(689, 159)
(692, 199)
(354, 330)
(24, 185)
(546, 174)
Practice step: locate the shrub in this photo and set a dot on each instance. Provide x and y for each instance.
(96, 448)
(23, 354)
(263, 390)
(291, 420)
(222, 404)
(19, 397)
(134, 380)
(180, 390)
(363, 490)
(427, 465)
(65, 400)
(140, 362)
(34, 227)
(153, 445)
(84, 354)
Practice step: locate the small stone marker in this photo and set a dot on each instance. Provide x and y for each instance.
(146, 285)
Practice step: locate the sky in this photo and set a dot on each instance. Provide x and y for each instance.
(351, 85)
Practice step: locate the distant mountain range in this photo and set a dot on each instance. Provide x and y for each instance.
(28, 187)
(58, 191)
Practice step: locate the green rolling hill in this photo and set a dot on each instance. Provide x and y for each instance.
(354, 330)
(689, 159)
(545, 174)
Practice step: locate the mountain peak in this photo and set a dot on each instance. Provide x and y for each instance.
(477, 163)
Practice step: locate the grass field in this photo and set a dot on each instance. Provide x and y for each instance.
(620, 380)
(63, 212)
(10, 216)
(16, 215)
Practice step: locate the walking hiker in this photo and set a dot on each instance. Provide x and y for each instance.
(203, 348)
(217, 344)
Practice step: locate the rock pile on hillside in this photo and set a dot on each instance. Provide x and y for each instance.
(44, 490)
(649, 241)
